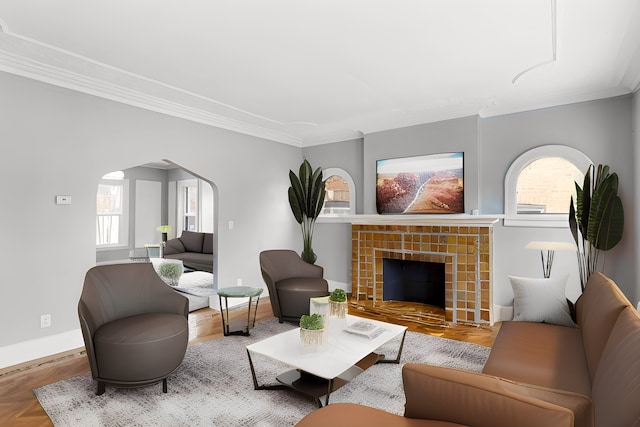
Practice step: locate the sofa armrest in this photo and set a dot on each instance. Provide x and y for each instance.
(173, 246)
(475, 399)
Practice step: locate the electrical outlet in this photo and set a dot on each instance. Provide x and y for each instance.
(239, 282)
(45, 320)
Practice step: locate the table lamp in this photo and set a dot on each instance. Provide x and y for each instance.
(164, 229)
(550, 248)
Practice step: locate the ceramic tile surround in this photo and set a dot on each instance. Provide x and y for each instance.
(466, 251)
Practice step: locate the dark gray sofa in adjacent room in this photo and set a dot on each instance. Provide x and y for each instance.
(195, 249)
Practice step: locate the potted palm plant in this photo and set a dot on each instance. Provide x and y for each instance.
(596, 218)
(338, 305)
(306, 198)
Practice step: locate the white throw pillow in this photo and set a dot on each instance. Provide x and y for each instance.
(541, 300)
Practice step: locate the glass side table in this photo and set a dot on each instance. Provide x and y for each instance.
(238, 292)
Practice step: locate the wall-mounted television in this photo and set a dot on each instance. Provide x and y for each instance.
(429, 184)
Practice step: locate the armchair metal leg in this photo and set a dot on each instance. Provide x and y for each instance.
(164, 385)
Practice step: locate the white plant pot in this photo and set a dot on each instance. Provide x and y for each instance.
(312, 339)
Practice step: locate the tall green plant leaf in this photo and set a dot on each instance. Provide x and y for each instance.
(573, 222)
(317, 193)
(612, 225)
(606, 214)
(584, 205)
(296, 197)
(306, 198)
(602, 174)
(596, 218)
(304, 174)
(295, 205)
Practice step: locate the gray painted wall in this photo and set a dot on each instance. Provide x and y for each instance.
(60, 142)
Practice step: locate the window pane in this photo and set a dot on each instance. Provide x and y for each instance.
(336, 200)
(109, 199)
(110, 206)
(191, 200)
(546, 186)
(108, 229)
(190, 223)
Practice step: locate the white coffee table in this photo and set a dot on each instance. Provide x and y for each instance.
(319, 373)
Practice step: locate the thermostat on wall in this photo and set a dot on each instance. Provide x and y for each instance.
(63, 200)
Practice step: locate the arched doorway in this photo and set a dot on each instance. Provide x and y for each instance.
(131, 205)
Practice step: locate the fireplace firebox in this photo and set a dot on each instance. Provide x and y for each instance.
(414, 281)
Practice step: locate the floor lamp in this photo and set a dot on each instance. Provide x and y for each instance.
(549, 248)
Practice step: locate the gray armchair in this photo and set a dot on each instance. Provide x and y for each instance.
(134, 326)
(291, 282)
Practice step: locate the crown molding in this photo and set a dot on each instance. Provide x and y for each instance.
(31, 59)
(337, 136)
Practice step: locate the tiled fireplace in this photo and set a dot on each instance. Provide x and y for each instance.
(466, 251)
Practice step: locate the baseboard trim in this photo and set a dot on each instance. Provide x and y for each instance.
(29, 351)
(502, 312)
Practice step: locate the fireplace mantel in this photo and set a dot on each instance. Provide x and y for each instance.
(453, 219)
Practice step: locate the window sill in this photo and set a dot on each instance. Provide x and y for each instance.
(111, 248)
(557, 221)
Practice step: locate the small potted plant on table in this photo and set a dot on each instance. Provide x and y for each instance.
(338, 305)
(311, 331)
(170, 271)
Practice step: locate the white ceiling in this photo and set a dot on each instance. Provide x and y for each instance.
(306, 72)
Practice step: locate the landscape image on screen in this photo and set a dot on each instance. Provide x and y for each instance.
(430, 184)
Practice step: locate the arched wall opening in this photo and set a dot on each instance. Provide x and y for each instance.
(153, 194)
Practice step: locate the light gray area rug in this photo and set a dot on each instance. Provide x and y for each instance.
(213, 387)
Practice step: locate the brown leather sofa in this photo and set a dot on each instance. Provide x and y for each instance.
(291, 282)
(134, 326)
(195, 249)
(351, 415)
(537, 374)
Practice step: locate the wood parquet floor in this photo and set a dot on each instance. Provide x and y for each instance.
(19, 406)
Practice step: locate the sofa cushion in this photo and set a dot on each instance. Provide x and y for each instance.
(598, 309)
(302, 284)
(540, 354)
(135, 347)
(207, 244)
(616, 386)
(541, 300)
(192, 241)
(195, 260)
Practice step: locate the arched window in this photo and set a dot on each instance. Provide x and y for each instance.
(539, 185)
(340, 193)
